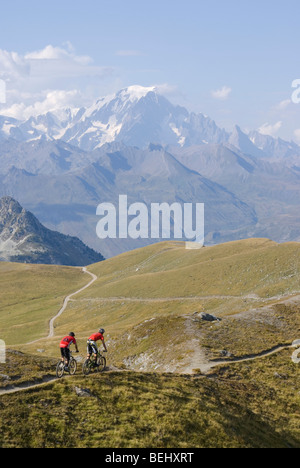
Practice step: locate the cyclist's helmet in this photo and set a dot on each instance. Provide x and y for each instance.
(72, 334)
(102, 331)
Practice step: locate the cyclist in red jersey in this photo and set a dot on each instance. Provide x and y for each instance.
(92, 346)
(65, 344)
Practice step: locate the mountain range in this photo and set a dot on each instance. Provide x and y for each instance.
(61, 165)
(139, 116)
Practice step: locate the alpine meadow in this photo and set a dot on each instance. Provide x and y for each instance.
(149, 227)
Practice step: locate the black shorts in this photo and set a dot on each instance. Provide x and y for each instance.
(92, 347)
(65, 353)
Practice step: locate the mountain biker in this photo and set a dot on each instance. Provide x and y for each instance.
(92, 346)
(65, 344)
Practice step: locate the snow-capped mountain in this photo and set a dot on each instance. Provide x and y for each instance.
(139, 116)
(136, 116)
(61, 165)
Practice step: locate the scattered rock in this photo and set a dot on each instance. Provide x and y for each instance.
(4, 377)
(16, 353)
(83, 392)
(225, 353)
(280, 376)
(209, 318)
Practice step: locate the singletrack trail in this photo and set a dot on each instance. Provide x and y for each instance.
(65, 304)
(206, 367)
(68, 298)
(197, 362)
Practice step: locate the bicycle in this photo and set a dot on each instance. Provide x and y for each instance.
(61, 367)
(98, 364)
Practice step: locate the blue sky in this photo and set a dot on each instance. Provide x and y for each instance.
(233, 60)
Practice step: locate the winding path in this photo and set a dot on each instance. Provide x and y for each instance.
(204, 365)
(65, 304)
(205, 368)
(68, 298)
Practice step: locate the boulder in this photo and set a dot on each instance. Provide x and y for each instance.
(209, 318)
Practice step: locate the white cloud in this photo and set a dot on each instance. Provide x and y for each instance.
(52, 101)
(58, 62)
(12, 66)
(39, 80)
(222, 94)
(283, 104)
(270, 130)
(167, 89)
(297, 135)
(58, 53)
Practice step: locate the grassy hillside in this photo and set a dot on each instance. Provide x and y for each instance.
(149, 301)
(255, 266)
(30, 295)
(241, 406)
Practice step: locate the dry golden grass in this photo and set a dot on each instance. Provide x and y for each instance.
(30, 295)
(246, 405)
(166, 284)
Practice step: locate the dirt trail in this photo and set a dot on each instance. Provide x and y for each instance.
(68, 298)
(249, 297)
(65, 304)
(206, 366)
(198, 360)
(26, 386)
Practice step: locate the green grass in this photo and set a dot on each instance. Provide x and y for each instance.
(255, 266)
(21, 368)
(241, 406)
(30, 295)
(148, 301)
(166, 284)
(254, 332)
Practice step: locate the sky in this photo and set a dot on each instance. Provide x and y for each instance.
(233, 60)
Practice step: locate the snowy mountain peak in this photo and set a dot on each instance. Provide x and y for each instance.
(137, 116)
(135, 93)
(240, 140)
(125, 96)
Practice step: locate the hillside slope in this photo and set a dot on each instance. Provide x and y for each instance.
(238, 407)
(151, 300)
(30, 295)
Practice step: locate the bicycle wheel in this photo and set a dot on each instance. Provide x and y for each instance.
(87, 367)
(73, 366)
(101, 364)
(60, 369)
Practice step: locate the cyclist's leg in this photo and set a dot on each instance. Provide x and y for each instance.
(62, 352)
(64, 356)
(93, 350)
(89, 350)
(67, 356)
